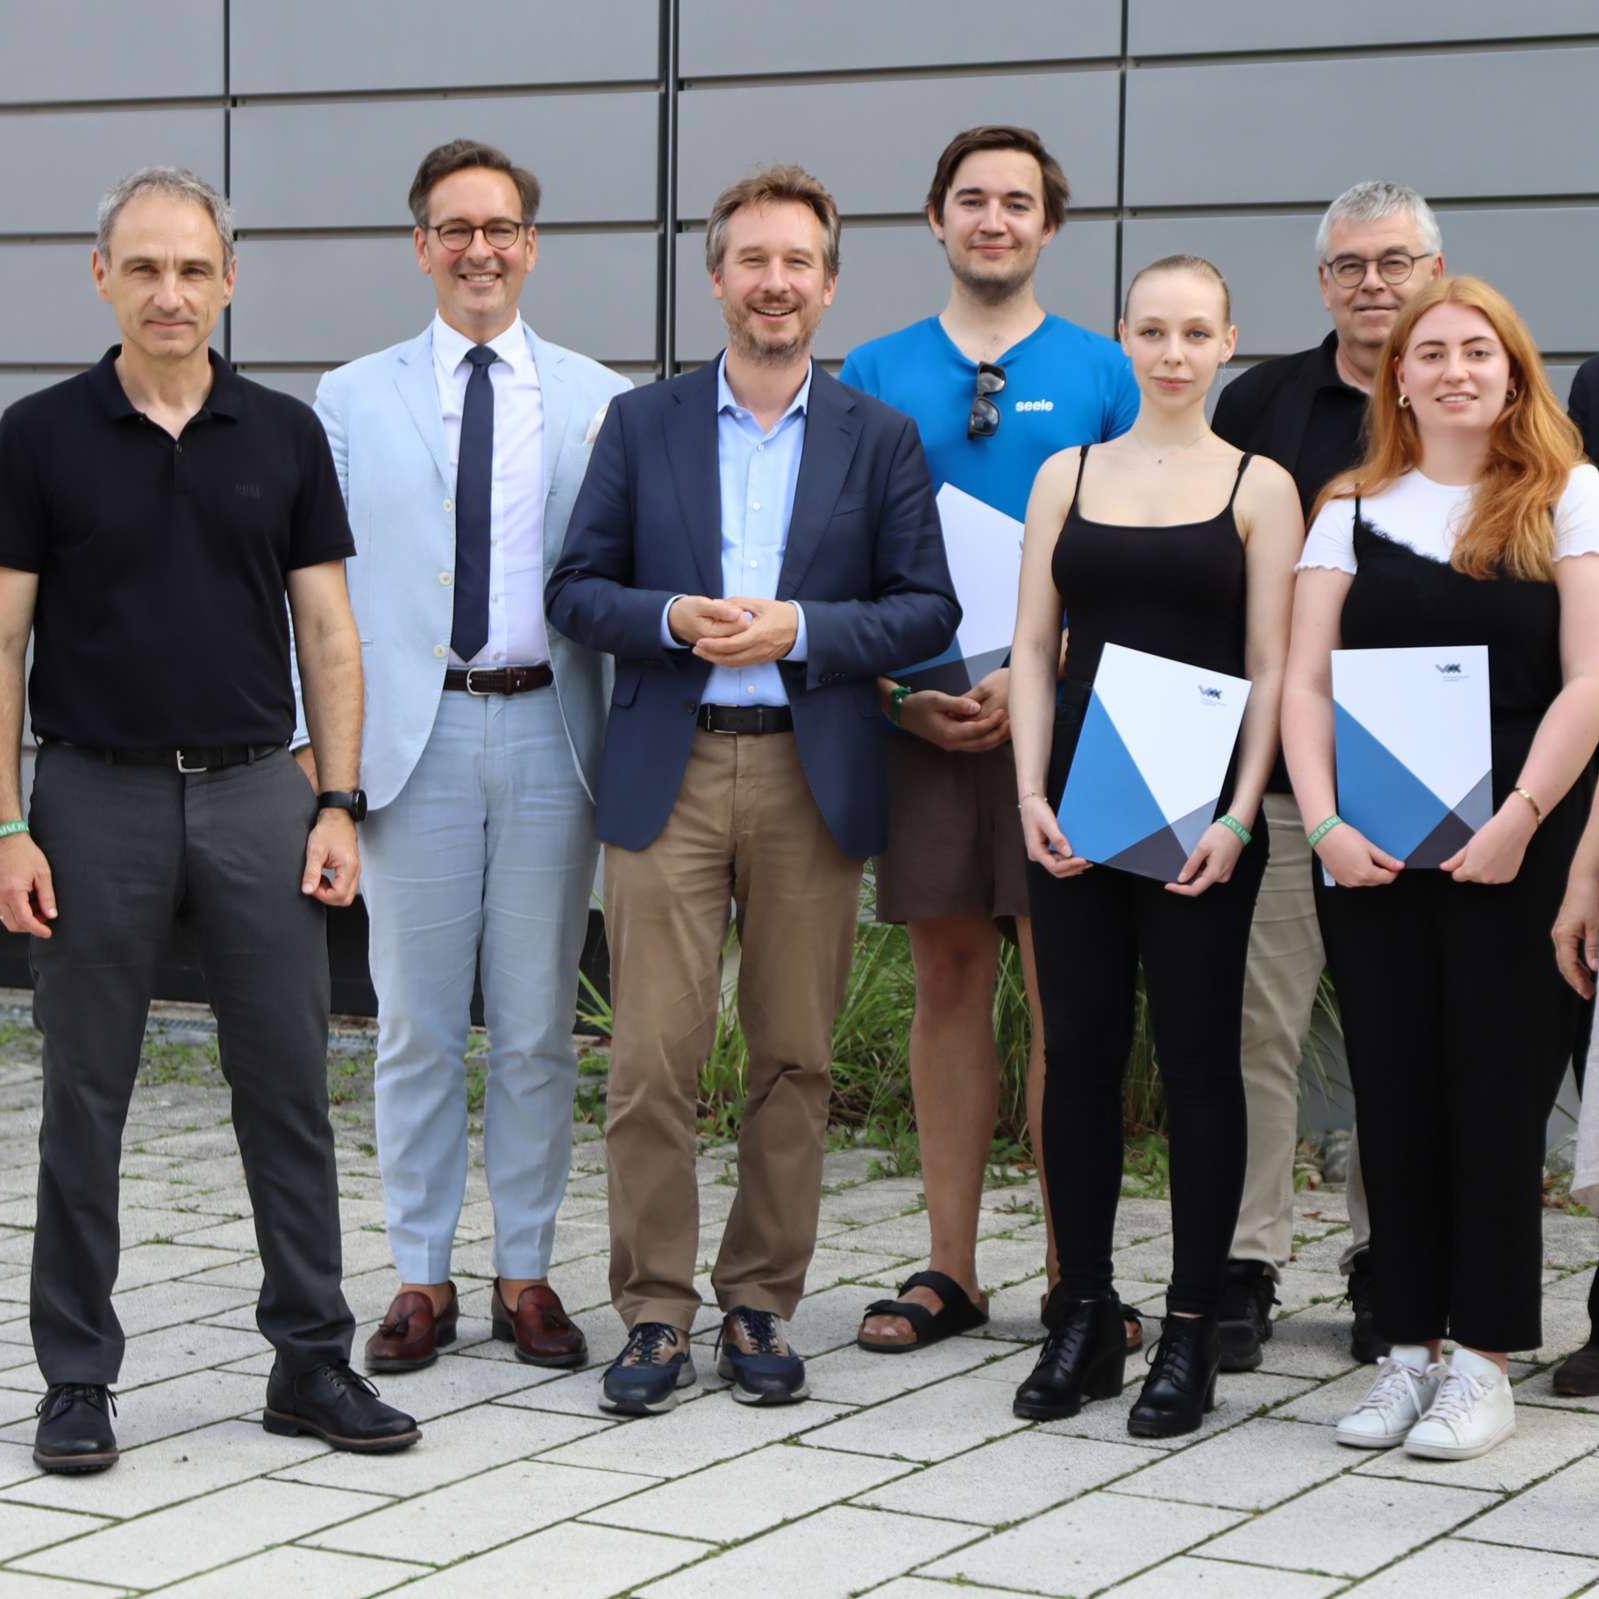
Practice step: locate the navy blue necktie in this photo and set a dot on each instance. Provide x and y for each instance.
(474, 485)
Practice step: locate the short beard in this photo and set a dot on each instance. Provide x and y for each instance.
(757, 353)
(991, 292)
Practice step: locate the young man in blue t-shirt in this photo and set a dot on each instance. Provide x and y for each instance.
(996, 387)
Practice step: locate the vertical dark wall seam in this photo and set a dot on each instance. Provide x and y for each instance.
(666, 198)
(227, 147)
(1121, 165)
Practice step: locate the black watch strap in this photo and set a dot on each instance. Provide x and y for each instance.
(352, 800)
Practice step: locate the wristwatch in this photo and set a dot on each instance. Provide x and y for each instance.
(352, 800)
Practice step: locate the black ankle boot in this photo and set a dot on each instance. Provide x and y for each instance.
(1181, 1386)
(1081, 1358)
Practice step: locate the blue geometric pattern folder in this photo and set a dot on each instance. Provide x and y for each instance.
(1415, 757)
(1150, 761)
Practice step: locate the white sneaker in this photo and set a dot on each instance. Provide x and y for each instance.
(1472, 1411)
(1405, 1386)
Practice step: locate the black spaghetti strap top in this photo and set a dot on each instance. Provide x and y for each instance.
(1175, 591)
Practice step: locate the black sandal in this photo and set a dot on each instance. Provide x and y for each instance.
(957, 1315)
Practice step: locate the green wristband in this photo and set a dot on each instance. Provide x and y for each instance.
(896, 701)
(8, 828)
(1229, 820)
(1314, 838)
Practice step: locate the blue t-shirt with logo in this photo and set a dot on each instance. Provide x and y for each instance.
(1063, 386)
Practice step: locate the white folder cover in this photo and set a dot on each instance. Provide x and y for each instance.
(984, 550)
(1414, 747)
(1150, 761)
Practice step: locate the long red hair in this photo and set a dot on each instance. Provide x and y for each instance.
(1532, 446)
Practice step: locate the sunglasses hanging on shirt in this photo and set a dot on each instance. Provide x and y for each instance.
(983, 423)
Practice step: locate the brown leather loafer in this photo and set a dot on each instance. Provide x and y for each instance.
(411, 1333)
(540, 1328)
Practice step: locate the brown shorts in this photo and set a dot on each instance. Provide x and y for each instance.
(954, 839)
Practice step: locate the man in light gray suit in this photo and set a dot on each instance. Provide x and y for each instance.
(459, 453)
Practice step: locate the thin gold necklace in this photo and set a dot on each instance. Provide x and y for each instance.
(1160, 460)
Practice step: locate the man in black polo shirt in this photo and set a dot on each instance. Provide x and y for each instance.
(1378, 244)
(153, 511)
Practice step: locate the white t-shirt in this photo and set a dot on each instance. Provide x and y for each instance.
(1427, 516)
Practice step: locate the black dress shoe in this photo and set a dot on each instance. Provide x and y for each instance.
(1364, 1343)
(75, 1428)
(337, 1406)
(1577, 1376)
(1081, 1359)
(1181, 1386)
(1243, 1315)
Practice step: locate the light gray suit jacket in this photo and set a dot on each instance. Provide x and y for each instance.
(381, 414)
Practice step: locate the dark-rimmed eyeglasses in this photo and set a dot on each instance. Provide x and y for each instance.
(983, 423)
(500, 233)
(1393, 267)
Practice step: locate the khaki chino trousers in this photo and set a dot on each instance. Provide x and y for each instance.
(744, 833)
(1285, 966)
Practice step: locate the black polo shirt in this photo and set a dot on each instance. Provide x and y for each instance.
(1297, 410)
(161, 618)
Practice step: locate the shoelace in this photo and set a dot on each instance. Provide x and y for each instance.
(1457, 1394)
(760, 1328)
(645, 1342)
(89, 1393)
(346, 1377)
(1396, 1382)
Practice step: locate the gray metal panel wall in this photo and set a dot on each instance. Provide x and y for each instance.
(66, 50)
(734, 38)
(595, 155)
(1223, 127)
(354, 46)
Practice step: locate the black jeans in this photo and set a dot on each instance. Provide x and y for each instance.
(1090, 933)
(1458, 1028)
(131, 849)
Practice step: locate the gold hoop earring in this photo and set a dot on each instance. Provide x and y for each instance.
(1510, 393)
(1404, 402)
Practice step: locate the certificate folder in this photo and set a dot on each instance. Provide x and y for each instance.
(1414, 749)
(984, 550)
(1150, 762)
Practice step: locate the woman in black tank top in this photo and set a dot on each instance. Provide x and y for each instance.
(1165, 541)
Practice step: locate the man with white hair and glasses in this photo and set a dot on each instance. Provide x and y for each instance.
(1378, 244)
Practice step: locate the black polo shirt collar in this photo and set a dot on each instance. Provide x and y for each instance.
(1325, 367)
(224, 400)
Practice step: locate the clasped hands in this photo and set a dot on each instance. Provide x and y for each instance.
(737, 631)
(1212, 860)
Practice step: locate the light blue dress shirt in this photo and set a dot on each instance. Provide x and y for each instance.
(759, 472)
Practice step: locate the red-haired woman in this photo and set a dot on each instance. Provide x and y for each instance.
(1465, 524)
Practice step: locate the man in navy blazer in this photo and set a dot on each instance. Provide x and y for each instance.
(755, 543)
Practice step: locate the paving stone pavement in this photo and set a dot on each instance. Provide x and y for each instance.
(905, 1478)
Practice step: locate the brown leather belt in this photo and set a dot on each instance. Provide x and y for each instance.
(498, 679)
(745, 719)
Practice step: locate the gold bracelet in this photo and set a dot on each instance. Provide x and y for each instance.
(1537, 809)
(1032, 793)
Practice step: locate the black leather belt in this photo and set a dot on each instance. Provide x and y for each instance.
(189, 760)
(499, 679)
(746, 719)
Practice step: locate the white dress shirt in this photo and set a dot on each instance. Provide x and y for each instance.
(517, 632)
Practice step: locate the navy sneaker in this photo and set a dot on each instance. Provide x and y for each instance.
(754, 1356)
(643, 1380)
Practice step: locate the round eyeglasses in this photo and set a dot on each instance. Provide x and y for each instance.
(499, 234)
(1393, 267)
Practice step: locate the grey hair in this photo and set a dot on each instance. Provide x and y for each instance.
(177, 183)
(1373, 200)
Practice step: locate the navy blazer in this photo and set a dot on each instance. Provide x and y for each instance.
(865, 557)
